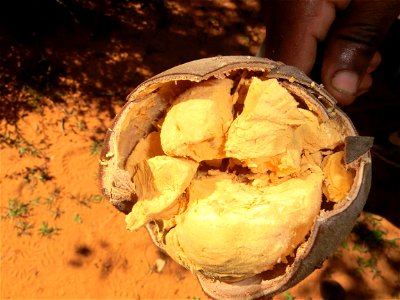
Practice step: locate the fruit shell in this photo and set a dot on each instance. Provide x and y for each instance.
(145, 105)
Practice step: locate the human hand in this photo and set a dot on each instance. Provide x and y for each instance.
(348, 31)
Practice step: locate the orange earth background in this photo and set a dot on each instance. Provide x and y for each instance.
(66, 67)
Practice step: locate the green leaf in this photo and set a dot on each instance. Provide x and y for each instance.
(77, 218)
(288, 296)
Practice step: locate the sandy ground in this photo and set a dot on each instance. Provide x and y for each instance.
(63, 78)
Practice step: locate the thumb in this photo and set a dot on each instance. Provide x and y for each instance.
(351, 47)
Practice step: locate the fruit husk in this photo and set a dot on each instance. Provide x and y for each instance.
(147, 104)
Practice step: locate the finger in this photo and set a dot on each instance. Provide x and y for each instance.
(350, 53)
(374, 63)
(365, 84)
(366, 81)
(294, 29)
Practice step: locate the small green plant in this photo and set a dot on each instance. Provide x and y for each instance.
(23, 228)
(15, 139)
(82, 126)
(35, 201)
(369, 239)
(57, 212)
(369, 234)
(16, 209)
(96, 198)
(32, 174)
(393, 242)
(50, 200)
(88, 200)
(288, 296)
(345, 245)
(196, 298)
(77, 218)
(44, 176)
(29, 174)
(46, 231)
(22, 151)
(359, 247)
(96, 147)
(370, 263)
(31, 96)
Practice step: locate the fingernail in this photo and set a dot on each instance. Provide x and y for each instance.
(346, 82)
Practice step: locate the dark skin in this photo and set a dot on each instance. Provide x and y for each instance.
(348, 32)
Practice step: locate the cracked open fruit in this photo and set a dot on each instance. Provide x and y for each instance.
(242, 169)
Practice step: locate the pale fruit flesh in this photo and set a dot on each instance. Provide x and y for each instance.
(245, 217)
(197, 122)
(230, 226)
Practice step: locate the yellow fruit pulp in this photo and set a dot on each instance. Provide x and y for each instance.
(246, 218)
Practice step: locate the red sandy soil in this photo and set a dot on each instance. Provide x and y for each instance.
(66, 68)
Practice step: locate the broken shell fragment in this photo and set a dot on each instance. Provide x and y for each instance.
(238, 167)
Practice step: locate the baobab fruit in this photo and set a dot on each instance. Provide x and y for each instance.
(242, 169)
